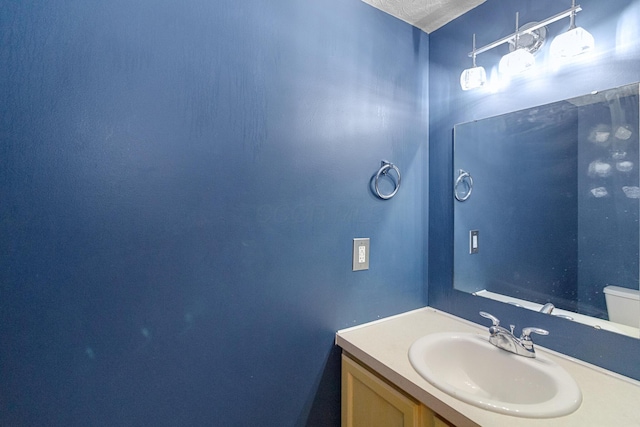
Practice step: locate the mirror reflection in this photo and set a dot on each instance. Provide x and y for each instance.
(547, 208)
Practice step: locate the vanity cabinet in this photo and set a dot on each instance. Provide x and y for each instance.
(370, 401)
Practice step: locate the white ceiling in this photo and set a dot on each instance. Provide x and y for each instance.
(428, 15)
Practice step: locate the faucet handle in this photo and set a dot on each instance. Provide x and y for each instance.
(491, 317)
(527, 331)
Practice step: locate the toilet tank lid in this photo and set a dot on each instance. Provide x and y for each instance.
(622, 292)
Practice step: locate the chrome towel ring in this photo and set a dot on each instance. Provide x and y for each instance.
(384, 170)
(463, 177)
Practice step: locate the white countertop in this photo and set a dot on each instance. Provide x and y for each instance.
(608, 399)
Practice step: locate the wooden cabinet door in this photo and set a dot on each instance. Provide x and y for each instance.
(369, 401)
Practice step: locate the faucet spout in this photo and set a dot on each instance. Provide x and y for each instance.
(547, 308)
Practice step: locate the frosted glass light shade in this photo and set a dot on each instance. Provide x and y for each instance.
(473, 78)
(516, 62)
(572, 43)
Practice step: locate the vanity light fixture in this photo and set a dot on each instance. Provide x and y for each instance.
(518, 61)
(525, 41)
(574, 42)
(473, 77)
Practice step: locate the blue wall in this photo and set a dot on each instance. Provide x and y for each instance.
(614, 26)
(180, 184)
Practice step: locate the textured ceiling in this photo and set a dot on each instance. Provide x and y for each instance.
(428, 15)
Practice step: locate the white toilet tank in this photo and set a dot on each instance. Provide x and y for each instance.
(623, 305)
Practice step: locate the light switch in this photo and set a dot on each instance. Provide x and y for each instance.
(473, 241)
(360, 254)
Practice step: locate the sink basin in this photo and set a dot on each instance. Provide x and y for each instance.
(469, 368)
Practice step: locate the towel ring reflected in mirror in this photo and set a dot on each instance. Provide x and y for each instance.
(464, 179)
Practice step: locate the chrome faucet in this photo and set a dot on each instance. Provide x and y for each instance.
(506, 340)
(547, 308)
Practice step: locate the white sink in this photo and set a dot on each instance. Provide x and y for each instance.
(469, 368)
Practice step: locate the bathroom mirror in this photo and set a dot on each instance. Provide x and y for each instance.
(547, 206)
